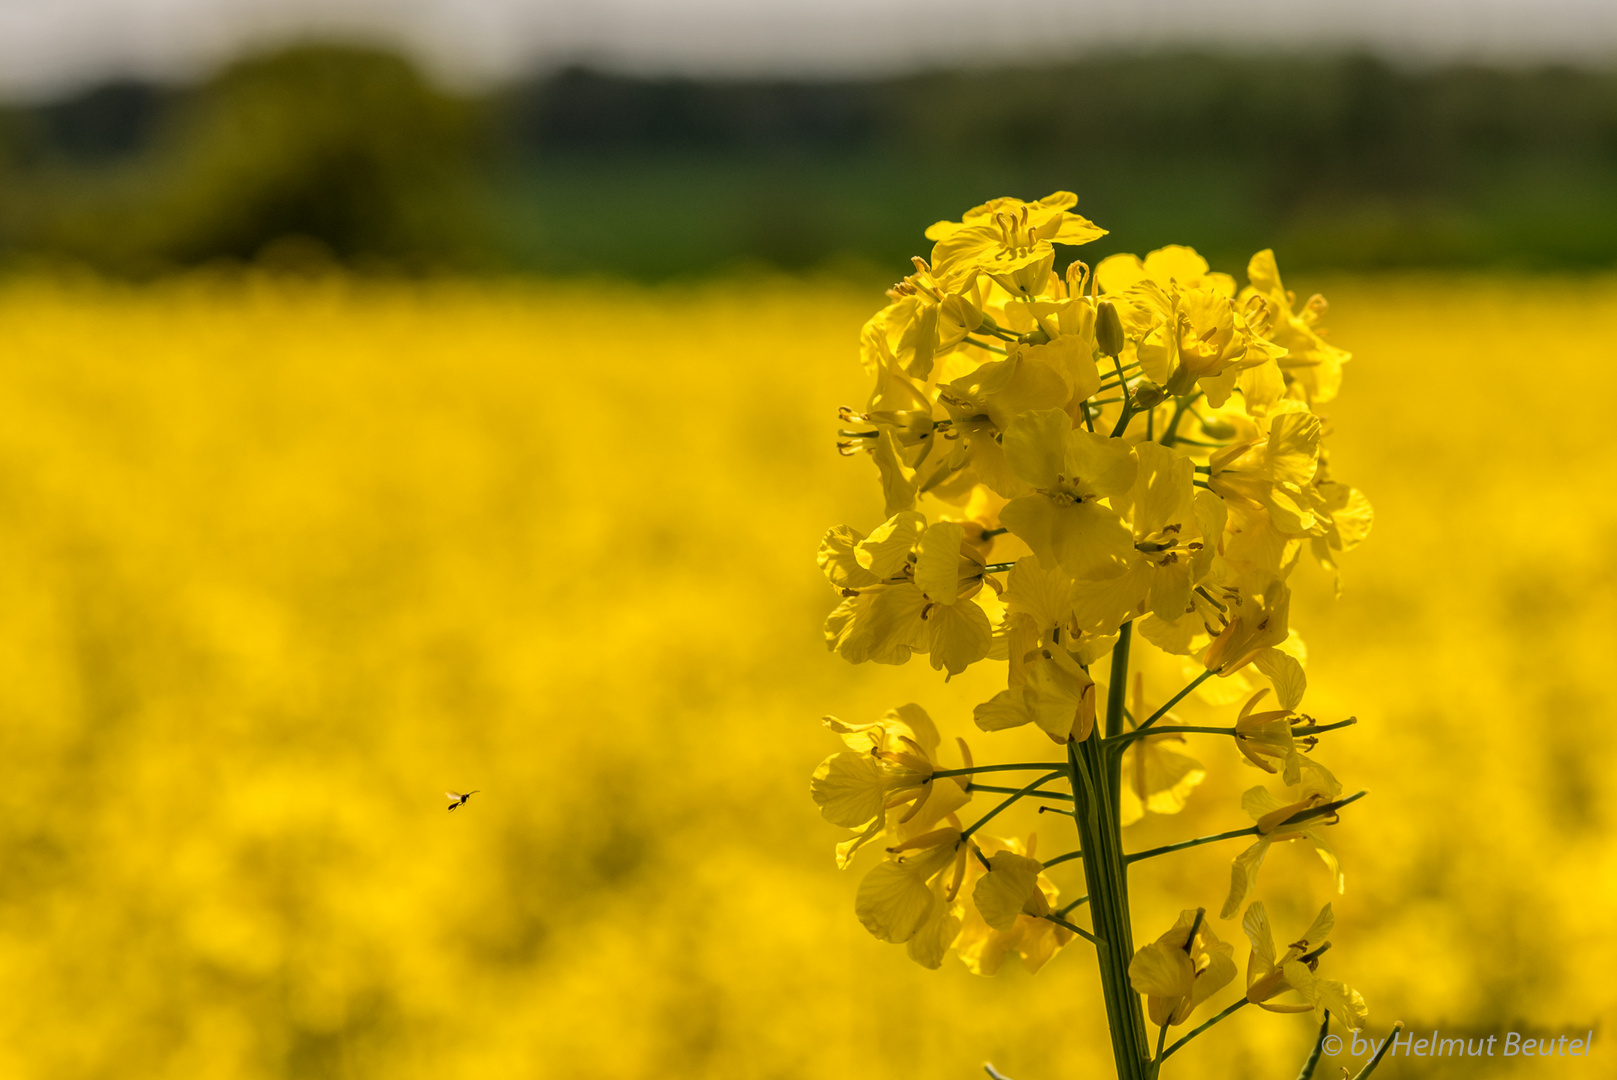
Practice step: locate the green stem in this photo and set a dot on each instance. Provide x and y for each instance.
(1168, 849)
(996, 789)
(1197, 1031)
(1062, 911)
(1059, 859)
(1171, 435)
(1075, 928)
(1095, 774)
(1172, 729)
(1251, 830)
(985, 345)
(1320, 811)
(1117, 689)
(1176, 699)
(1370, 1066)
(1304, 729)
(1015, 766)
(1319, 1047)
(986, 818)
(1128, 407)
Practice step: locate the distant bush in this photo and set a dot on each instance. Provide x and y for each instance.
(317, 148)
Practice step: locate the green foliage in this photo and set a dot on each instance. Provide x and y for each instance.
(340, 151)
(1338, 161)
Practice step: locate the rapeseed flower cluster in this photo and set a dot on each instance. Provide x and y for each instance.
(1075, 463)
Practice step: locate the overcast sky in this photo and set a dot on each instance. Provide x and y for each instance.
(47, 46)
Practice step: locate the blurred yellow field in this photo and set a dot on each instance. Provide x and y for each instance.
(283, 560)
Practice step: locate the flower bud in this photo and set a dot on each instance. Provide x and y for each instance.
(1148, 395)
(1108, 329)
(1216, 427)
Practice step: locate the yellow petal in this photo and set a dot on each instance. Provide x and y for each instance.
(838, 560)
(1003, 710)
(1324, 922)
(1036, 446)
(1043, 593)
(850, 788)
(958, 635)
(848, 848)
(1100, 606)
(1005, 892)
(1292, 455)
(1089, 539)
(931, 942)
(897, 481)
(1118, 273)
(912, 720)
(896, 624)
(885, 551)
(1099, 465)
(1290, 681)
(1161, 970)
(1256, 925)
(1243, 875)
(1056, 694)
(894, 899)
(937, 569)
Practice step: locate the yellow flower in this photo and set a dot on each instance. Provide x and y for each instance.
(909, 897)
(887, 765)
(1177, 972)
(1006, 915)
(1167, 266)
(1056, 693)
(1185, 322)
(1064, 521)
(1048, 681)
(1272, 470)
(1009, 240)
(906, 588)
(1266, 741)
(1308, 361)
(1275, 824)
(1343, 518)
(1255, 619)
(1176, 532)
(1269, 974)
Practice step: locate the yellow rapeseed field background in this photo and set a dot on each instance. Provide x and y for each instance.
(283, 560)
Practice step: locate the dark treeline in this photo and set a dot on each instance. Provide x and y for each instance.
(329, 152)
